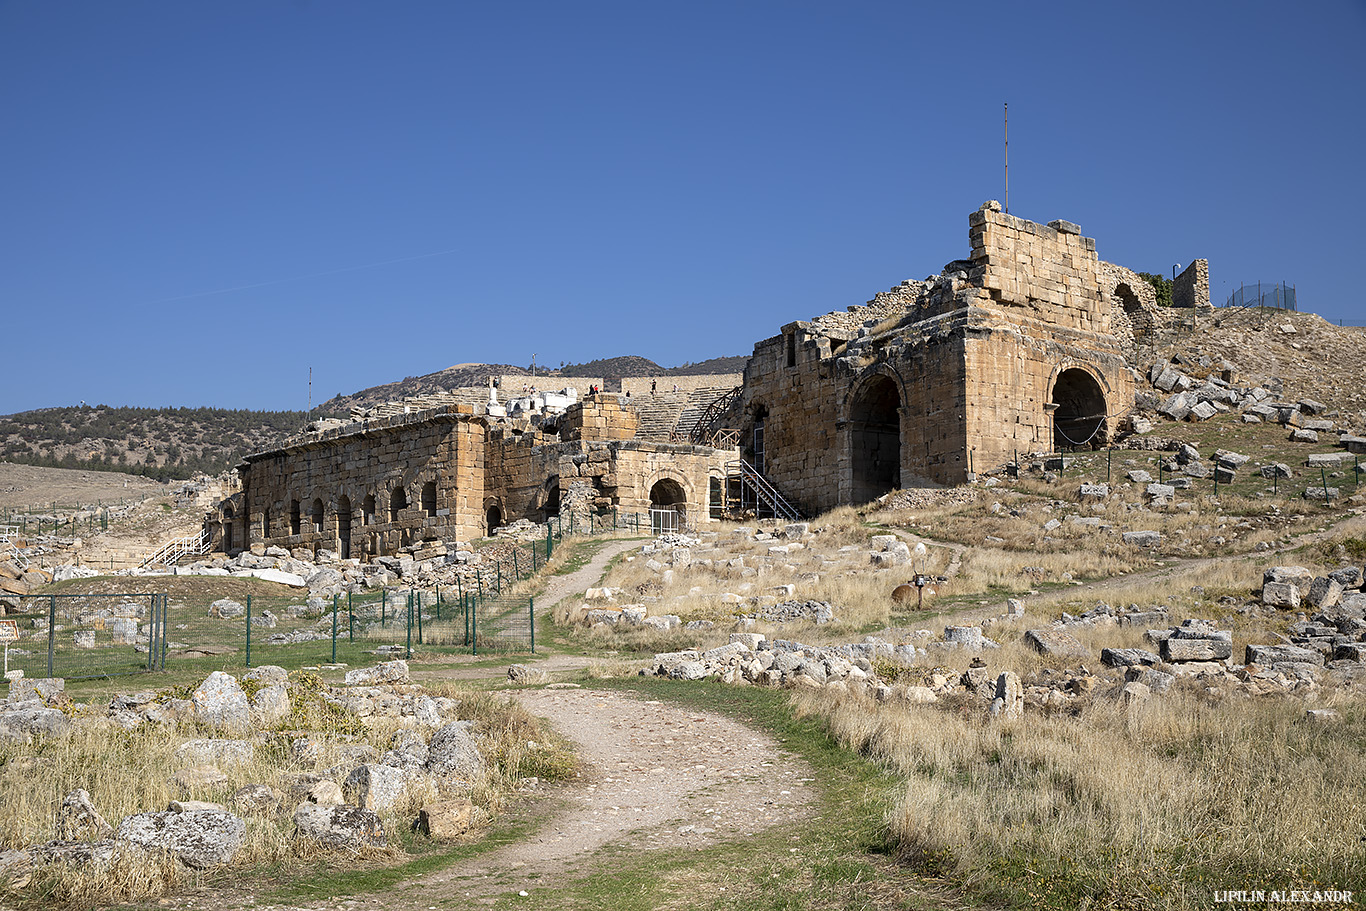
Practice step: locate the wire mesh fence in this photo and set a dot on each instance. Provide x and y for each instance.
(481, 610)
(1271, 295)
(80, 636)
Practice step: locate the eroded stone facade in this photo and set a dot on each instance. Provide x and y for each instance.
(455, 473)
(1025, 346)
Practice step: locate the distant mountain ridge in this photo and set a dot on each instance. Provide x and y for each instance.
(478, 375)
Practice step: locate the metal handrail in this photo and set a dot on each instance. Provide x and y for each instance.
(172, 551)
(764, 490)
(7, 546)
(704, 426)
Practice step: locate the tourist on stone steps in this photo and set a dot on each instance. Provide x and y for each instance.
(652, 387)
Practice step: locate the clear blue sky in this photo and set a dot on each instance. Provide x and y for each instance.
(202, 200)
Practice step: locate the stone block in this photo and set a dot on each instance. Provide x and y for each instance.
(1128, 657)
(1270, 655)
(1174, 649)
(1325, 592)
(1055, 643)
(1281, 595)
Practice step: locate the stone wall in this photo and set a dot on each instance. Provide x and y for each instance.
(371, 482)
(459, 470)
(600, 417)
(1191, 287)
(640, 385)
(934, 381)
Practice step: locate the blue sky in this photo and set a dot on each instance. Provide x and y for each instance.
(203, 200)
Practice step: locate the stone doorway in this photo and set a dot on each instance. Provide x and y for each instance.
(493, 520)
(667, 495)
(1079, 410)
(344, 527)
(875, 440)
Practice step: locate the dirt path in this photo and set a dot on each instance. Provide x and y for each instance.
(654, 776)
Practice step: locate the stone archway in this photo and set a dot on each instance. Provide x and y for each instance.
(1079, 409)
(493, 520)
(875, 439)
(667, 495)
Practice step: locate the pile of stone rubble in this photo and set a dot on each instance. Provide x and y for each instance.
(335, 803)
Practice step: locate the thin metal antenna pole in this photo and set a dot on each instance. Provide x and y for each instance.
(1007, 138)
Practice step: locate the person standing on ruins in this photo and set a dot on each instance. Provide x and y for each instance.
(653, 384)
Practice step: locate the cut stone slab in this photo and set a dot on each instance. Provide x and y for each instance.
(1269, 655)
(197, 839)
(1055, 643)
(1128, 657)
(1280, 594)
(1174, 649)
(339, 826)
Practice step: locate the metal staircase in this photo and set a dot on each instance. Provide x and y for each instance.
(8, 549)
(169, 554)
(744, 479)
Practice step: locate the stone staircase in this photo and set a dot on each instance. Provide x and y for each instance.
(666, 416)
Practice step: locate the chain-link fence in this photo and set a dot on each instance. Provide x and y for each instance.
(78, 636)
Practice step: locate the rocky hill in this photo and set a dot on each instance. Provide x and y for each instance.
(160, 443)
(1312, 357)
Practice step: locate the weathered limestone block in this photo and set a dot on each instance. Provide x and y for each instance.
(446, 819)
(197, 839)
(1174, 649)
(1298, 576)
(1127, 657)
(219, 702)
(1268, 655)
(1281, 594)
(1055, 643)
(339, 826)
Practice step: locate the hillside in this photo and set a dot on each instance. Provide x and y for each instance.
(1314, 359)
(463, 375)
(159, 443)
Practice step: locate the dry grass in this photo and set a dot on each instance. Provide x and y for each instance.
(129, 772)
(1150, 806)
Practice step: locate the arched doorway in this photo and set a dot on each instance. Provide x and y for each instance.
(552, 499)
(228, 542)
(344, 527)
(875, 439)
(668, 506)
(1079, 410)
(494, 520)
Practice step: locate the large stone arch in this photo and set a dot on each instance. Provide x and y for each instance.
(873, 417)
(1078, 402)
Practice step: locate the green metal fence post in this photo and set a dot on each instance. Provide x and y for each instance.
(335, 600)
(165, 610)
(350, 619)
(248, 630)
(410, 624)
(474, 629)
(438, 602)
(419, 618)
(1108, 454)
(516, 570)
(531, 621)
(1323, 473)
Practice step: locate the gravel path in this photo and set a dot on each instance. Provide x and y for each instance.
(654, 775)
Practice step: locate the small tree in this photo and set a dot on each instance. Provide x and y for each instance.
(1162, 287)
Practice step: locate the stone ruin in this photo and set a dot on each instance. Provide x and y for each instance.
(1025, 346)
